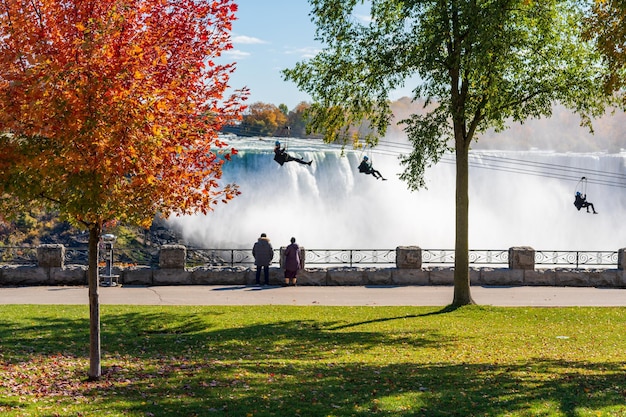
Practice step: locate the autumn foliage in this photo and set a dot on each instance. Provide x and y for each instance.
(607, 25)
(110, 109)
(263, 119)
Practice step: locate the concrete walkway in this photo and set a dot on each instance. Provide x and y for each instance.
(310, 295)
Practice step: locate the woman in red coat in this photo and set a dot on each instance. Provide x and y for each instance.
(292, 262)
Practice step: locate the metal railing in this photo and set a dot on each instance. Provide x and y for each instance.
(18, 255)
(121, 256)
(221, 257)
(499, 257)
(576, 258)
(350, 257)
(326, 257)
(124, 257)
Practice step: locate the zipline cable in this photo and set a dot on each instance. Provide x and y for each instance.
(514, 165)
(505, 164)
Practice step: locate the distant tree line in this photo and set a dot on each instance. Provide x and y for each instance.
(561, 132)
(265, 119)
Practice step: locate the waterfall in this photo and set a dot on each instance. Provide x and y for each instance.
(330, 205)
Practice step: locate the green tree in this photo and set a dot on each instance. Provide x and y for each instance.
(482, 64)
(297, 119)
(607, 26)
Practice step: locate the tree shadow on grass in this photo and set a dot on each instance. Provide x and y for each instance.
(261, 388)
(50, 336)
(255, 386)
(179, 363)
(278, 340)
(445, 310)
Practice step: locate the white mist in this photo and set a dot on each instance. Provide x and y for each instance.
(330, 205)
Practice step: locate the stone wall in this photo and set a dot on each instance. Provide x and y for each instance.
(77, 275)
(408, 271)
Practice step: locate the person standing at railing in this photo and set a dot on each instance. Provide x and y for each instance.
(263, 254)
(292, 262)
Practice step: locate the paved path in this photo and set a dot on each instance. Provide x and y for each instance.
(309, 295)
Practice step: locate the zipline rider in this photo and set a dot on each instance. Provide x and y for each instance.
(281, 156)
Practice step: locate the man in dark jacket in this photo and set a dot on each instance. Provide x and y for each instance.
(263, 254)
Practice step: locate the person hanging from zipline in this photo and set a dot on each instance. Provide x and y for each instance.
(580, 201)
(281, 156)
(366, 168)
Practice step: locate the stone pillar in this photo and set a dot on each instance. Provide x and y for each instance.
(522, 257)
(51, 256)
(621, 259)
(172, 257)
(408, 257)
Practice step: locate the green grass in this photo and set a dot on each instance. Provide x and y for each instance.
(315, 361)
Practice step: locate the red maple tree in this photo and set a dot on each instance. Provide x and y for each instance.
(110, 110)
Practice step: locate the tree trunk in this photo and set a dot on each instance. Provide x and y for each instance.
(94, 304)
(462, 294)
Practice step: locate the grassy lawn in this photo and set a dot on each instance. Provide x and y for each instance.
(315, 361)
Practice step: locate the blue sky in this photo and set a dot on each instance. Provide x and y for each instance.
(268, 36)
